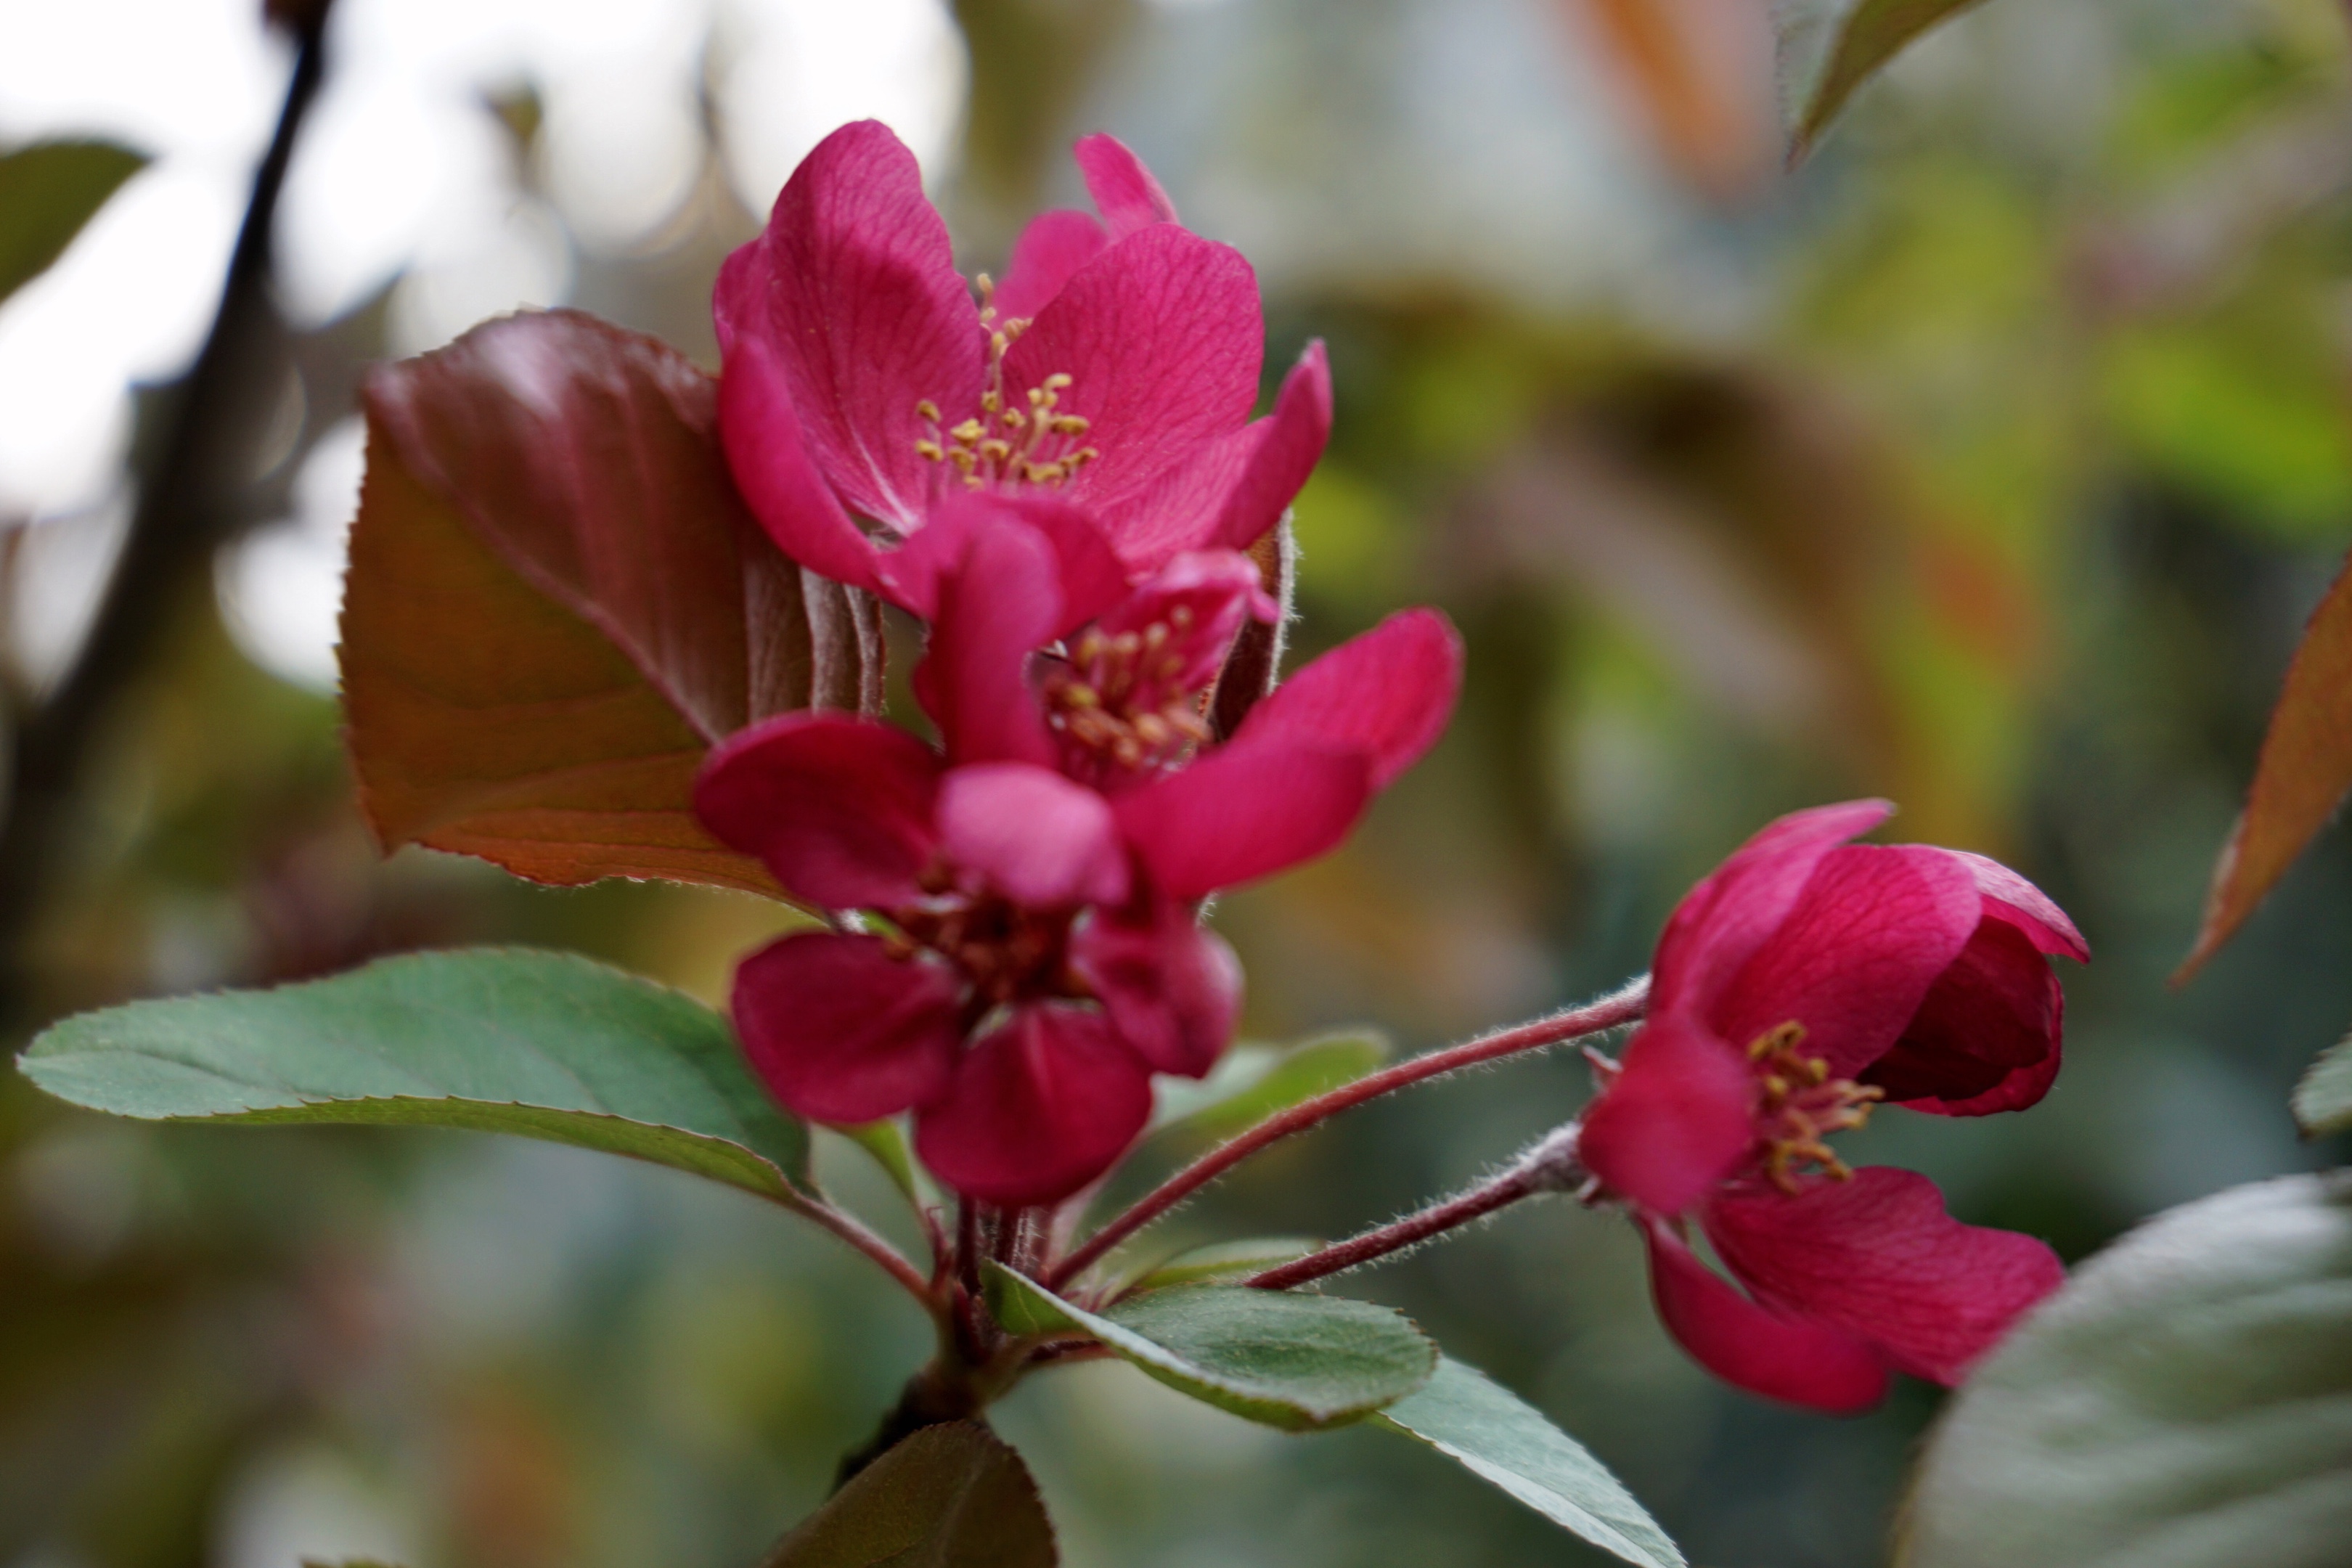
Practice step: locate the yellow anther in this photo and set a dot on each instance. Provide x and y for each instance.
(1044, 473)
(991, 401)
(994, 451)
(1181, 616)
(928, 410)
(930, 449)
(987, 287)
(1015, 419)
(1058, 381)
(966, 433)
(1070, 425)
(998, 342)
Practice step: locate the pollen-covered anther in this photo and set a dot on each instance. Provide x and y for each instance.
(1800, 1105)
(1039, 452)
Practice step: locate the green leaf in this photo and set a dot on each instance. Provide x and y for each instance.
(546, 1044)
(1223, 1260)
(2323, 1101)
(1872, 33)
(1501, 1438)
(1254, 1082)
(1298, 1361)
(885, 1140)
(947, 1497)
(47, 192)
(2185, 1401)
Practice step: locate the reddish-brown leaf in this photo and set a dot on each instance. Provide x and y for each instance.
(2305, 771)
(949, 1497)
(557, 603)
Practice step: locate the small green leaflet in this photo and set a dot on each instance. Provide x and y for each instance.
(1254, 1082)
(2323, 1101)
(1223, 1260)
(1501, 1438)
(546, 1044)
(1872, 33)
(1290, 1359)
(47, 192)
(947, 1497)
(2185, 1400)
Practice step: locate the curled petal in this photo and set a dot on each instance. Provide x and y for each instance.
(1988, 1036)
(841, 1031)
(1090, 577)
(1243, 812)
(841, 809)
(1199, 601)
(2010, 897)
(1721, 922)
(774, 469)
(1039, 1108)
(1878, 1256)
(1052, 248)
(1173, 988)
(1868, 935)
(852, 288)
(1799, 1360)
(990, 609)
(1235, 488)
(1679, 1116)
(1124, 190)
(1388, 692)
(1038, 838)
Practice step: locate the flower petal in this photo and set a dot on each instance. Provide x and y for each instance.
(839, 808)
(1988, 1036)
(1388, 692)
(1721, 922)
(1161, 337)
(1199, 601)
(1235, 488)
(1870, 933)
(1039, 1108)
(1679, 1116)
(1243, 812)
(1124, 190)
(852, 290)
(2025, 906)
(1878, 1256)
(1171, 986)
(774, 469)
(990, 610)
(1090, 575)
(1800, 1360)
(1051, 249)
(1038, 838)
(843, 1031)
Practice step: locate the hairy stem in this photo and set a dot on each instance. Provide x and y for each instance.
(1620, 1006)
(854, 1231)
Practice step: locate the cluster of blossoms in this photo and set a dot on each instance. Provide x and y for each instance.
(1062, 481)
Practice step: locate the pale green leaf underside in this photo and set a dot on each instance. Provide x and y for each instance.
(2184, 1402)
(1252, 1082)
(1223, 1260)
(2323, 1101)
(1289, 1360)
(544, 1045)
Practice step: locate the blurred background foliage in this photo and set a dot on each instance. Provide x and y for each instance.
(1991, 462)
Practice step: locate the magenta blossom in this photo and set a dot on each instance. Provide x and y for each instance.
(1038, 952)
(1803, 981)
(1114, 369)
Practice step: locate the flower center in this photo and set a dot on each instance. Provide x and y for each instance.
(1012, 440)
(1125, 697)
(1008, 951)
(1802, 1105)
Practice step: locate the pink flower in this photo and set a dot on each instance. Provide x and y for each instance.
(1114, 369)
(1803, 982)
(1041, 887)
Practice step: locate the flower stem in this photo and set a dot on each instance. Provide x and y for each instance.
(852, 1230)
(1549, 1166)
(1620, 1006)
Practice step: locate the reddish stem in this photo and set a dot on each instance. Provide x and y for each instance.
(1622, 1006)
(852, 1230)
(1414, 1228)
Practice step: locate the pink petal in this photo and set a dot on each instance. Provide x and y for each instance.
(1124, 190)
(773, 469)
(1161, 337)
(1089, 574)
(1039, 1108)
(1243, 812)
(1199, 601)
(1037, 838)
(992, 607)
(852, 289)
(1388, 692)
(1878, 1256)
(843, 1031)
(1987, 1037)
(1173, 988)
(1678, 1118)
(839, 808)
(2025, 906)
(1050, 250)
(1721, 922)
(1798, 1359)
(1871, 930)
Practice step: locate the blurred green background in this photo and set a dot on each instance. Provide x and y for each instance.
(1989, 462)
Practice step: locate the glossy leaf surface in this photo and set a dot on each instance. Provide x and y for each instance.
(1501, 1438)
(949, 1497)
(1290, 1359)
(2185, 1401)
(1225, 1261)
(2304, 773)
(47, 192)
(2323, 1100)
(1254, 1082)
(544, 1045)
(557, 603)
